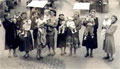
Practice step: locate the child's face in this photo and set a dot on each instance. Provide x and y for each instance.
(88, 18)
(61, 17)
(24, 16)
(76, 16)
(112, 19)
(92, 14)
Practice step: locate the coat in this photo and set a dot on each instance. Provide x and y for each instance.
(109, 45)
(10, 35)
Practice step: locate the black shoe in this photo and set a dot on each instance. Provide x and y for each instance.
(110, 60)
(65, 53)
(91, 56)
(26, 56)
(61, 54)
(87, 55)
(106, 57)
(39, 57)
(49, 54)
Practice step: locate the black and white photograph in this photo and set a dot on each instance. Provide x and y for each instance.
(59, 34)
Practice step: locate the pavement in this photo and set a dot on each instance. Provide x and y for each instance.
(64, 62)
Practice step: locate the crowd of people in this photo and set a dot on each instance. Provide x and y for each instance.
(43, 29)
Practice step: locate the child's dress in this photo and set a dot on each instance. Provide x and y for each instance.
(89, 27)
(105, 25)
(71, 26)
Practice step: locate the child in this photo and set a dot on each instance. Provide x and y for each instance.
(106, 24)
(26, 27)
(89, 27)
(71, 25)
(62, 27)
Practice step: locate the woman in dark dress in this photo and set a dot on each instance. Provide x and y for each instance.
(25, 35)
(91, 43)
(61, 39)
(10, 36)
(51, 32)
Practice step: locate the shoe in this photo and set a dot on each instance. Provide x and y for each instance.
(106, 57)
(49, 54)
(9, 56)
(15, 55)
(39, 57)
(91, 56)
(26, 56)
(61, 54)
(87, 55)
(110, 60)
(70, 54)
(65, 53)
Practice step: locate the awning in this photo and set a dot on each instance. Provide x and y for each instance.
(81, 6)
(38, 4)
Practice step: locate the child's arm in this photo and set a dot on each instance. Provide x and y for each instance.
(93, 22)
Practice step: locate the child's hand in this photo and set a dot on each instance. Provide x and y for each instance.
(92, 36)
(85, 38)
(90, 24)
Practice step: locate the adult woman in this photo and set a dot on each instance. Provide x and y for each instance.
(10, 36)
(61, 39)
(91, 43)
(78, 23)
(25, 35)
(51, 32)
(41, 38)
(109, 45)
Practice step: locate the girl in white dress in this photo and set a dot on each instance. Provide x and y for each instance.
(106, 24)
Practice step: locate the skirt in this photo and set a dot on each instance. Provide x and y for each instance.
(50, 40)
(90, 42)
(26, 42)
(61, 40)
(109, 45)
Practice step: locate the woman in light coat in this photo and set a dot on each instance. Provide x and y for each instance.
(109, 45)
